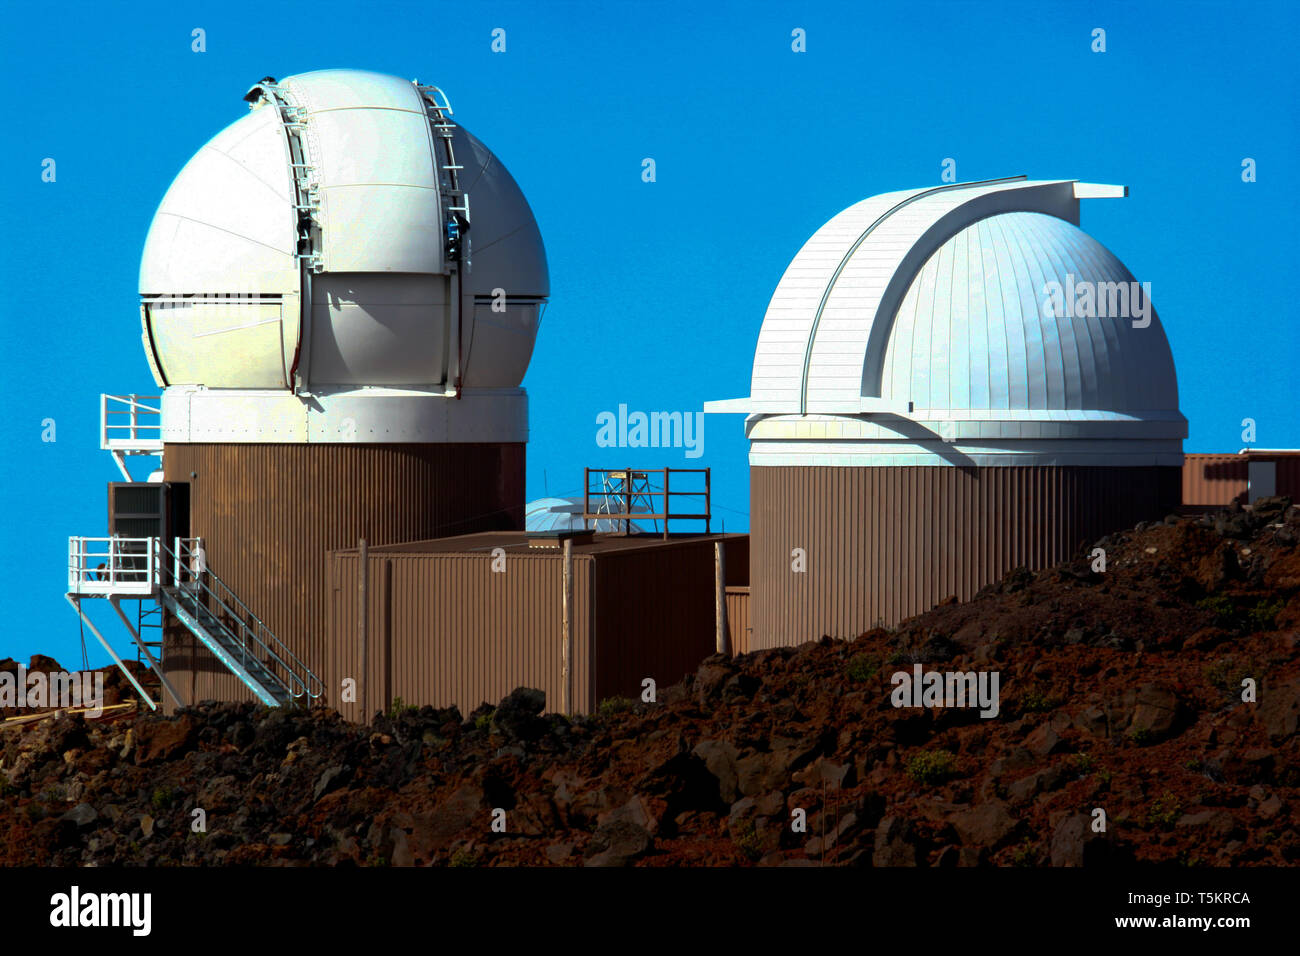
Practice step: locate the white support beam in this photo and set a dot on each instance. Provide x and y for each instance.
(121, 464)
(76, 606)
(1099, 191)
(153, 664)
(729, 406)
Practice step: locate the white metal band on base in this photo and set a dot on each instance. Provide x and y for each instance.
(197, 415)
(968, 439)
(939, 454)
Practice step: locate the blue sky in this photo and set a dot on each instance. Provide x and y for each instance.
(658, 290)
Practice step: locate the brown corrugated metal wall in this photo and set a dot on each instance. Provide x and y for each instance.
(1213, 481)
(739, 629)
(443, 628)
(268, 514)
(654, 616)
(883, 544)
(1288, 476)
(446, 629)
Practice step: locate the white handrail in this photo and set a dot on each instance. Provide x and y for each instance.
(141, 433)
(112, 565)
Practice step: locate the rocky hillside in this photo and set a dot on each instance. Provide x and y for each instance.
(1120, 691)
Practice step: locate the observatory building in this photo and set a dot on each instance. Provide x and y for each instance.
(925, 415)
(340, 295)
(317, 295)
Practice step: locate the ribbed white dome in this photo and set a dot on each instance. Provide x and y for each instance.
(971, 333)
(972, 324)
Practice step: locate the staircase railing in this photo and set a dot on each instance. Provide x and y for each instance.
(196, 585)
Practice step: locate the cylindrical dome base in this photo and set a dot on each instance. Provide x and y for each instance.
(268, 514)
(883, 544)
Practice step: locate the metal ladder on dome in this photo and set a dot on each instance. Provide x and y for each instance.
(454, 199)
(305, 181)
(234, 634)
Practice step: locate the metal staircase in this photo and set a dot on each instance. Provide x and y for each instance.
(235, 635)
(146, 569)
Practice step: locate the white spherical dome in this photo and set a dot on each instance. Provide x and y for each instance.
(331, 240)
(972, 324)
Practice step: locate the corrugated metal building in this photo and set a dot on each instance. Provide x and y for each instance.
(443, 627)
(948, 383)
(269, 515)
(1213, 481)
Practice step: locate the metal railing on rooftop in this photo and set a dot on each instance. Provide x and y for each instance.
(113, 565)
(627, 493)
(130, 422)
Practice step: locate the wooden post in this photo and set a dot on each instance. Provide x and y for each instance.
(722, 639)
(363, 569)
(386, 635)
(667, 510)
(708, 498)
(566, 646)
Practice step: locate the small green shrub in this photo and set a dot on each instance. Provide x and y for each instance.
(463, 857)
(1037, 701)
(483, 722)
(1262, 615)
(1220, 605)
(747, 841)
(932, 767)
(1164, 811)
(1226, 675)
(399, 707)
(1082, 764)
(1241, 614)
(1025, 854)
(862, 667)
(614, 705)
(1140, 737)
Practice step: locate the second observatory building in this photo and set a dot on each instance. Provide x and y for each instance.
(922, 419)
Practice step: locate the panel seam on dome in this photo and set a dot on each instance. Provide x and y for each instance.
(844, 261)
